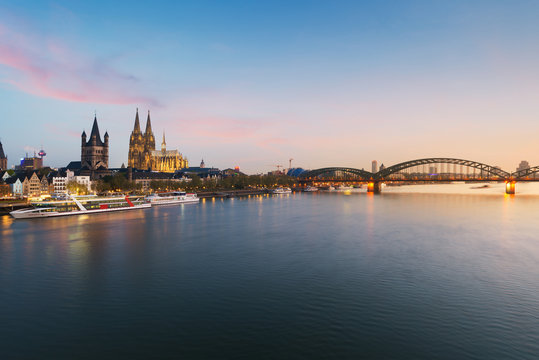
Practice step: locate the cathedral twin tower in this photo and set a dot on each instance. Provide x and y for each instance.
(144, 156)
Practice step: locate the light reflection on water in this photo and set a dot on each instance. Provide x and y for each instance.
(486, 188)
(404, 274)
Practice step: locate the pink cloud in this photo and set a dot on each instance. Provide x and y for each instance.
(49, 68)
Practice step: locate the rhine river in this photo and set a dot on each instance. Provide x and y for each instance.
(409, 274)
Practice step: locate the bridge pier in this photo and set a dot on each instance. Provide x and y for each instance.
(510, 187)
(374, 187)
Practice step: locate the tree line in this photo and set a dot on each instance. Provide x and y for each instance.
(119, 182)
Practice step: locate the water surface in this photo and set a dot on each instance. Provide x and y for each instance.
(329, 275)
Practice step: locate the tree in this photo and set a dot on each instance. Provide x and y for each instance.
(195, 183)
(100, 186)
(116, 182)
(76, 188)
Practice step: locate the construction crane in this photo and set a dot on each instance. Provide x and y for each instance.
(277, 166)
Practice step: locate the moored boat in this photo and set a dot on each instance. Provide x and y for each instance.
(177, 197)
(78, 205)
(343, 188)
(281, 190)
(310, 189)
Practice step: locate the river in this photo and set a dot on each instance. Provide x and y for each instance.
(409, 274)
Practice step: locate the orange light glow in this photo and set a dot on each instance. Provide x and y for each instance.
(510, 187)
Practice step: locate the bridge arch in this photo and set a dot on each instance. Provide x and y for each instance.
(361, 174)
(525, 173)
(488, 169)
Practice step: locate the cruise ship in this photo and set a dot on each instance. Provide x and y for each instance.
(78, 205)
(343, 188)
(281, 190)
(178, 197)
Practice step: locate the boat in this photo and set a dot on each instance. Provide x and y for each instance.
(281, 190)
(343, 188)
(176, 197)
(310, 189)
(78, 205)
(485, 186)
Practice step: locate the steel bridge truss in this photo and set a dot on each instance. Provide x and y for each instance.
(399, 172)
(337, 172)
(486, 172)
(526, 174)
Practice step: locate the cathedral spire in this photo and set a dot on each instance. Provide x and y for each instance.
(163, 144)
(148, 124)
(137, 123)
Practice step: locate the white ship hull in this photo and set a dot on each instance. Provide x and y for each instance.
(281, 191)
(79, 205)
(343, 188)
(172, 200)
(33, 213)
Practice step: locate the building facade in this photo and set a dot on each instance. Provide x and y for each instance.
(30, 163)
(94, 153)
(523, 165)
(143, 154)
(60, 180)
(15, 186)
(32, 185)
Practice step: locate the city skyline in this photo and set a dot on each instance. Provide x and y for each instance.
(324, 83)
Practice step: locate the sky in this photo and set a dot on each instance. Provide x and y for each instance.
(256, 83)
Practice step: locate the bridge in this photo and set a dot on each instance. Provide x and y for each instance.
(428, 170)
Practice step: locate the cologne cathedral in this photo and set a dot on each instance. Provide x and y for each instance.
(144, 156)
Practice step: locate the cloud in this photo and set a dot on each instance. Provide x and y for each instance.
(48, 68)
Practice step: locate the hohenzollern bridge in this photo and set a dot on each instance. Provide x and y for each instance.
(429, 170)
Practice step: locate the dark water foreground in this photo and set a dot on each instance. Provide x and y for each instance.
(396, 276)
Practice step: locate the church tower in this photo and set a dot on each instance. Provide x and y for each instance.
(149, 143)
(3, 158)
(149, 140)
(94, 154)
(136, 147)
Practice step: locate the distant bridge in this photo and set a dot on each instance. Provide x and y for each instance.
(422, 171)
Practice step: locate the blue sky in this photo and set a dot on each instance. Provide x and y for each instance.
(252, 84)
